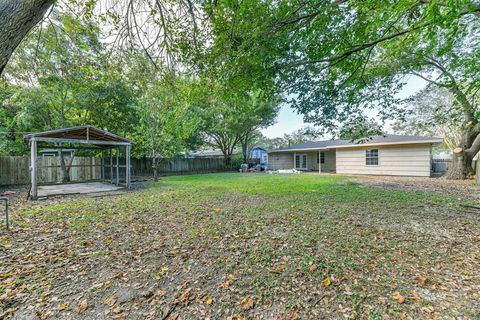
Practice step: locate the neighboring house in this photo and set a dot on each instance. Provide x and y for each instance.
(378, 155)
(209, 154)
(56, 152)
(259, 154)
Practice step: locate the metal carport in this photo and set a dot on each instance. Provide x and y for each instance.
(79, 135)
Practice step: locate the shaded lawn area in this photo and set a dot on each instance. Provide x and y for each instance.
(235, 246)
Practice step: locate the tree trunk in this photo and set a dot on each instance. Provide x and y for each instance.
(17, 18)
(245, 152)
(458, 169)
(461, 166)
(154, 167)
(244, 140)
(64, 168)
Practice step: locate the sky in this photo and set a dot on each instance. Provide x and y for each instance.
(288, 120)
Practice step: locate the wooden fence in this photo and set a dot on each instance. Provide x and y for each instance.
(16, 170)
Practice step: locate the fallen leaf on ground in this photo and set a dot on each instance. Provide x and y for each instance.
(415, 296)
(82, 307)
(278, 269)
(62, 306)
(183, 297)
(422, 280)
(398, 296)
(326, 282)
(247, 303)
(312, 267)
(226, 284)
(148, 293)
(217, 210)
(209, 301)
(110, 300)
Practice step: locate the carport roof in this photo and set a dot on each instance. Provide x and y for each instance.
(80, 134)
(371, 141)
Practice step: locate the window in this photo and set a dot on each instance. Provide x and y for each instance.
(301, 161)
(322, 157)
(371, 157)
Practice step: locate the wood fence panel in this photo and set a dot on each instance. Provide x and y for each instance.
(16, 170)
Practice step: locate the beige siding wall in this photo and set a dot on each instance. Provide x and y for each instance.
(402, 160)
(330, 159)
(277, 161)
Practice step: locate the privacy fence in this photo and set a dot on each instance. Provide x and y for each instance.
(16, 170)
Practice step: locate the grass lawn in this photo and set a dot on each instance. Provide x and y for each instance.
(244, 246)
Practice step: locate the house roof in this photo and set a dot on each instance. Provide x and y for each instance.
(80, 134)
(371, 141)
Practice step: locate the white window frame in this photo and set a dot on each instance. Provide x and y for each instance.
(300, 155)
(378, 157)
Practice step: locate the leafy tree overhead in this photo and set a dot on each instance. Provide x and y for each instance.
(360, 129)
(65, 77)
(339, 58)
(433, 112)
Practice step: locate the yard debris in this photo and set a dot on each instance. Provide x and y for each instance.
(326, 282)
(399, 297)
(422, 280)
(228, 282)
(247, 303)
(82, 306)
(184, 297)
(289, 171)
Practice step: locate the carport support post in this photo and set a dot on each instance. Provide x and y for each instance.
(294, 160)
(127, 169)
(111, 166)
(117, 168)
(33, 168)
(103, 166)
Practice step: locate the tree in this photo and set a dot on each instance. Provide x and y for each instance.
(65, 77)
(152, 26)
(17, 18)
(432, 112)
(303, 135)
(232, 114)
(360, 129)
(258, 111)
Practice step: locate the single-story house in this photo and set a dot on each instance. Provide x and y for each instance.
(378, 155)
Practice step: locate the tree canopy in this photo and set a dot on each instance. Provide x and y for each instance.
(331, 60)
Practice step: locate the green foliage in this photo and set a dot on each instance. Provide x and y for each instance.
(299, 136)
(168, 123)
(337, 59)
(66, 78)
(433, 112)
(360, 129)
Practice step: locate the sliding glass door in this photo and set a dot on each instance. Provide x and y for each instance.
(301, 161)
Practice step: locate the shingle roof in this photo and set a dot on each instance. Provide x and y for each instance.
(382, 139)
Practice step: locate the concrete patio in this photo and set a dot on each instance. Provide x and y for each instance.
(76, 188)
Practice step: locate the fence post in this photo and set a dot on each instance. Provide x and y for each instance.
(33, 168)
